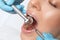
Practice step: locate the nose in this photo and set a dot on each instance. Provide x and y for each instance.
(34, 4)
(39, 5)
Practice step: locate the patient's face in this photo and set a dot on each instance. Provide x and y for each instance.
(46, 14)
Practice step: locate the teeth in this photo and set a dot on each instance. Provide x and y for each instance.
(30, 15)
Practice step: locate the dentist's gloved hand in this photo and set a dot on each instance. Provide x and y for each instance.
(47, 36)
(6, 5)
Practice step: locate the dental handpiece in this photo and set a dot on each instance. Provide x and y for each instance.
(27, 20)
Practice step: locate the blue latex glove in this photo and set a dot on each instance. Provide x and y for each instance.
(47, 36)
(6, 5)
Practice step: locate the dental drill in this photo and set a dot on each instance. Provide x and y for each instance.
(27, 20)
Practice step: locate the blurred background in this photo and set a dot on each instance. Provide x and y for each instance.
(10, 25)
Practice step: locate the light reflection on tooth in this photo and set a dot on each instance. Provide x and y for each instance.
(30, 15)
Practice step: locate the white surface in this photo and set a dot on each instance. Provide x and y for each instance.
(10, 25)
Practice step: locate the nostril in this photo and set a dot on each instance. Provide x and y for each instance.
(52, 4)
(35, 6)
(55, 3)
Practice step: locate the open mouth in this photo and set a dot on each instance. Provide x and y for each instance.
(27, 28)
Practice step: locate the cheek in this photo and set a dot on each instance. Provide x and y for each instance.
(51, 18)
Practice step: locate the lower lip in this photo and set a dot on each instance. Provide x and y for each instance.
(27, 30)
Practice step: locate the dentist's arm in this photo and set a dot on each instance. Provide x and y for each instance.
(6, 5)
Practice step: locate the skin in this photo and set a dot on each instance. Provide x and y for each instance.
(47, 13)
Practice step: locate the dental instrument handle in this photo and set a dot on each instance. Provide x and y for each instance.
(19, 13)
(27, 20)
(39, 33)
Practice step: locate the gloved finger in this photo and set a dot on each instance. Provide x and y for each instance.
(21, 8)
(48, 35)
(9, 2)
(51, 39)
(38, 38)
(15, 2)
(5, 7)
(9, 8)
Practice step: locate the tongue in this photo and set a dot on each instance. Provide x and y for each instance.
(29, 28)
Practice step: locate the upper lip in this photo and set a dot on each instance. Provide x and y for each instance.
(29, 13)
